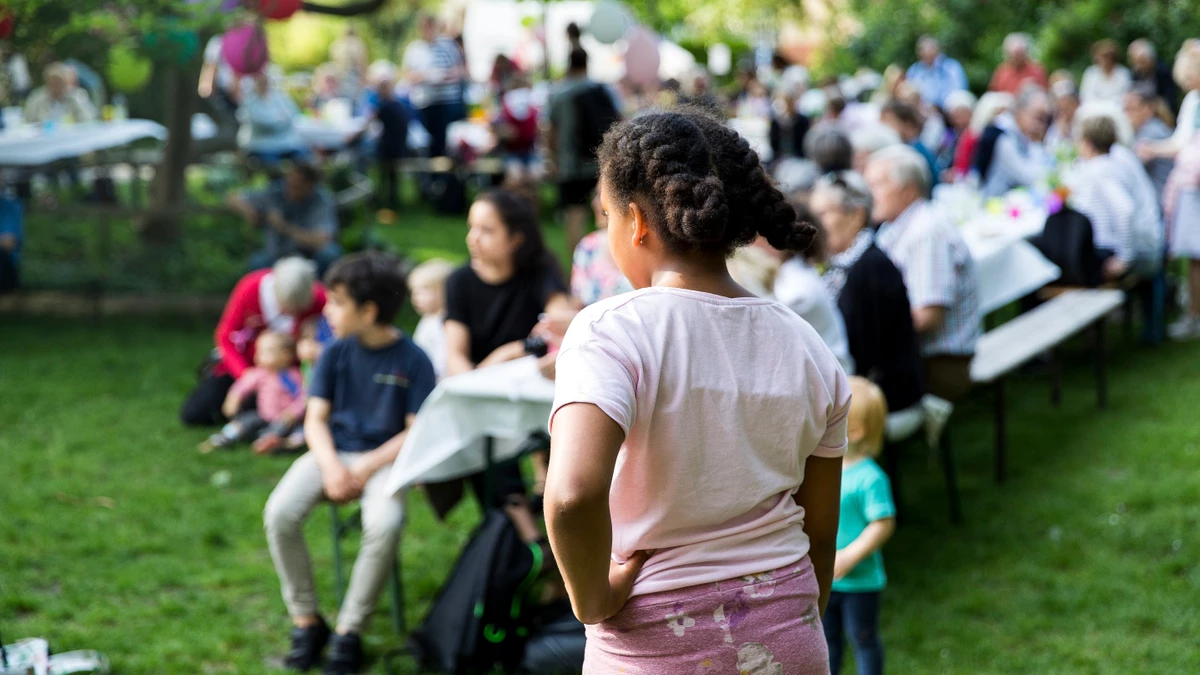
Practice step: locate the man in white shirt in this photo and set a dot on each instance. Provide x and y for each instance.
(937, 267)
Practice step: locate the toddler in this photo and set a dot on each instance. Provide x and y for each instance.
(867, 521)
(314, 334)
(428, 284)
(279, 396)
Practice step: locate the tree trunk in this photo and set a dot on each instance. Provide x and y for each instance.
(169, 190)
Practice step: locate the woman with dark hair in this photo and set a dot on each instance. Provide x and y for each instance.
(697, 430)
(494, 302)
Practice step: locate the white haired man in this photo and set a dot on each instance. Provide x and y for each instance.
(1018, 67)
(937, 268)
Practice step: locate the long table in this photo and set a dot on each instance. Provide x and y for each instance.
(30, 146)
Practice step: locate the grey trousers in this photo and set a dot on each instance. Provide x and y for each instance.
(298, 492)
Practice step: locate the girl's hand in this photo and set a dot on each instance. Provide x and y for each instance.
(621, 578)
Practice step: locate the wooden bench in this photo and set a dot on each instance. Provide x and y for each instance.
(1003, 350)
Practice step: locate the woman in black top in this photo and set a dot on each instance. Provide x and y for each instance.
(494, 302)
(869, 290)
(492, 306)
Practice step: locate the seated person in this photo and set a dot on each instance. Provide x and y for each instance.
(12, 220)
(829, 147)
(57, 101)
(937, 267)
(906, 120)
(268, 118)
(1099, 191)
(494, 303)
(278, 389)
(869, 291)
(427, 282)
(298, 215)
(365, 395)
(283, 299)
(1017, 158)
(798, 286)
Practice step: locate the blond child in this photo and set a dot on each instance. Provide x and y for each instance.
(427, 282)
(867, 521)
(279, 395)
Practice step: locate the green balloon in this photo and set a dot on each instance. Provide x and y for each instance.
(172, 44)
(128, 71)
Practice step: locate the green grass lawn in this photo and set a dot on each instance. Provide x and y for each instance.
(115, 535)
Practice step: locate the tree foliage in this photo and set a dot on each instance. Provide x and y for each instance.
(973, 30)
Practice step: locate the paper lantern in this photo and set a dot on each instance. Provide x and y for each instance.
(128, 71)
(609, 22)
(6, 24)
(279, 9)
(642, 58)
(230, 5)
(245, 49)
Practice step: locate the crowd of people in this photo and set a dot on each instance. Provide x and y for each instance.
(878, 310)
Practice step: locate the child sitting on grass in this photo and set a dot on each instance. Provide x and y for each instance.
(427, 282)
(308, 350)
(366, 390)
(278, 388)
(868, 519)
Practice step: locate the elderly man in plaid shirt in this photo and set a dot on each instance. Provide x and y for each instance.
(936, 265)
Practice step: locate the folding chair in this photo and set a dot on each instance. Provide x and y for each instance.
(341, 528)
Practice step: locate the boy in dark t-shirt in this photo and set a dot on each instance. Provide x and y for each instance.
(365, 393)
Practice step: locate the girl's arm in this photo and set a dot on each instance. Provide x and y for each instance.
(820, 495)
(871, 540)
(583, 455)
(458, 348)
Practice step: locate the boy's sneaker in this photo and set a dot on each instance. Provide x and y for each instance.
(345, 655)
(307, 645)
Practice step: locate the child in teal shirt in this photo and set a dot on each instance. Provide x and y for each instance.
(868, 519)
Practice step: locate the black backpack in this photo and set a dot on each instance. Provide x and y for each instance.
(596, 112)
(483, 616)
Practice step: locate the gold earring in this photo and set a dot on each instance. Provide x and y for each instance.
(642, 241)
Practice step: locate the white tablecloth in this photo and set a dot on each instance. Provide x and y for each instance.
(477, 135)
(33, 146)
(1009, 267)
(506, 402)
(323, 134)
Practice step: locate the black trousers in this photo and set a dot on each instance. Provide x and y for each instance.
(203, 406)
(10, 272)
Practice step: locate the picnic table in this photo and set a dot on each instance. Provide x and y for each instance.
(452, 435)
(1009, 267)
(34, 146)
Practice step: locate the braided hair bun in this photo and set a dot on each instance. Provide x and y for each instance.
(701, 185)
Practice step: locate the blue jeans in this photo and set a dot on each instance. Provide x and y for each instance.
(854, 615)
(324, 258)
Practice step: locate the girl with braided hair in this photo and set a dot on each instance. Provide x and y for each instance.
(697, 430)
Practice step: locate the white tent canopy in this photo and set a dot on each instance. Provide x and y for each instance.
(511, 28)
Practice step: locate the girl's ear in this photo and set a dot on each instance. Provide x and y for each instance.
(641, 227)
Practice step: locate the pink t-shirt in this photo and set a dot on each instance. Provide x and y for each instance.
(722, 401)
(277, 393)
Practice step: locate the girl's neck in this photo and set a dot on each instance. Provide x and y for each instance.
(494, 273)
(707, 274)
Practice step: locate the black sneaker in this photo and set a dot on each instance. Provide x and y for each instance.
(307, 645)
(345, 655)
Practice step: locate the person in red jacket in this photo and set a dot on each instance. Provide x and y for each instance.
(282, 298)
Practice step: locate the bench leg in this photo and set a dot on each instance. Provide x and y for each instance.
(1127, 319)
(1055, 379)
(950, 469)
(1001, 445)
(1101, 358)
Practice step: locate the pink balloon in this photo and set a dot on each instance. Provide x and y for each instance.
(641, 58)
(245, 49)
